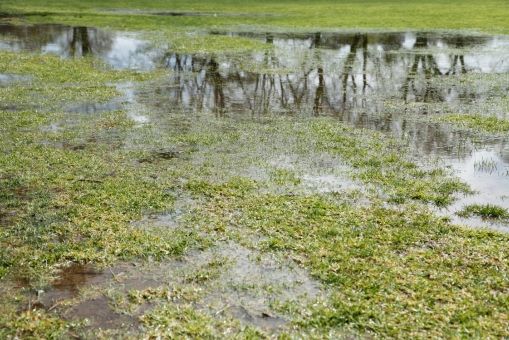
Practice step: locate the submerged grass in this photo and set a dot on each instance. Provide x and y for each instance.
(380, 161)
(480, 123)
(79, 208)
(488, 211)
(53, 82)
(71, 194)
(185, 321)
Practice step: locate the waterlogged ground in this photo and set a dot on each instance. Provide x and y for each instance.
(336, 184)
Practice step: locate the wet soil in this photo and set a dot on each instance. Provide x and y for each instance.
(244, 288)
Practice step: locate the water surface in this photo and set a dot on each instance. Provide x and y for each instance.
(394, 82)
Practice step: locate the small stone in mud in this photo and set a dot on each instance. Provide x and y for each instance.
(167, 154)
(262, 320)
(164, 154)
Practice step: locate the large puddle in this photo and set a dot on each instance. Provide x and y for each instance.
(394, 82)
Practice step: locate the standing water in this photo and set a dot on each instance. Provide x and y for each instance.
(400, 83)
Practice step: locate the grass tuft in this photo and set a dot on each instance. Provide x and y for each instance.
(478, 122)
(487, 211)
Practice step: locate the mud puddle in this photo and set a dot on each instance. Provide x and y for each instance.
(78, 293)
(228, 280)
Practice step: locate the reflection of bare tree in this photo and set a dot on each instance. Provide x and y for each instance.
(31, 37)
(349, 76)
(458, 59)
(322, 82)
(349, 66)
(63, 40)
(215, 79)
(364, 65)
(427, 65)
(320, 93)
(80, 43)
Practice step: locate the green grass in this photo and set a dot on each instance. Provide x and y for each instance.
(62, 203)
(387, 265)
(186, 322)
(478, 122)
(378, 257)
(33, 324)
(488, 211)
(487, 16)
(402, 258)
(380, 161)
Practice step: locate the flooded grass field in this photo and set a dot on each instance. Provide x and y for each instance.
(212, 172)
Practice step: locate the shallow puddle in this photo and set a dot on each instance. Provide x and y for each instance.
(487, 171)
(12, 79)
(119, 50)
(233, 282)
(70, 281)
(375, 80)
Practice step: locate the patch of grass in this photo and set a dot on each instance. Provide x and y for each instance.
(207, 272)
(488, 16)
(55, 82)
(478, 122)
(487, 211)
(486, 165)
(187, 293)
(50, 68)
(381, 161)
(205, 43)
(184, 321)
(70, 195)
(405, 259)
(33, 324)
(284, 176)
(373, 158)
